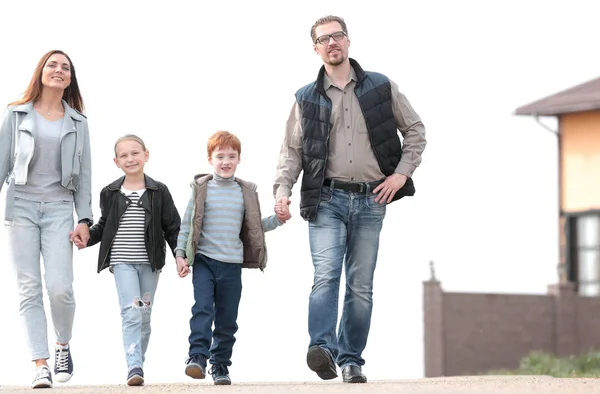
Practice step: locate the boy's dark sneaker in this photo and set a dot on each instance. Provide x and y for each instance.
(320, 360)
(43, 378)
(63, 363)
(135, 377)
(196, 367)
(220, 374)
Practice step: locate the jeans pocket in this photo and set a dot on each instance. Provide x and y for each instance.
(374, 205)
(326, 194)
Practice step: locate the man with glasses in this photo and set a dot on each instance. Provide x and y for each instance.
(343, 133)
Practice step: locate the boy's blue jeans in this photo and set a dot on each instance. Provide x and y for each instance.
(345, 234)
(136, 286)
(217, 293)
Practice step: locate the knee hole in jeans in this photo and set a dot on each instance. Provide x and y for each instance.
(143, 303)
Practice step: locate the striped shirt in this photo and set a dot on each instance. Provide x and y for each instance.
(222, 222)
(128, 245)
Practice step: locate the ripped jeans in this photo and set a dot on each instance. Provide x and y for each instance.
(136, 286)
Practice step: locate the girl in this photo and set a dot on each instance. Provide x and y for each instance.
(45, 160)
(138, 215)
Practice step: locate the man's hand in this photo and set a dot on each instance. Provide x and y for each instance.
(386, 190)
(182, 267)
(282, 209)
(80, 236)
(284, 217)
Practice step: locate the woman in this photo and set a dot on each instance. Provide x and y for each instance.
(45, 159)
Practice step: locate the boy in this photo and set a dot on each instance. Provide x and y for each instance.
(222, 232)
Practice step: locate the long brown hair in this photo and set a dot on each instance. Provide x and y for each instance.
(71, 94)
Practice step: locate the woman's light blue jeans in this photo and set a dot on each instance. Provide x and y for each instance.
(42, 228)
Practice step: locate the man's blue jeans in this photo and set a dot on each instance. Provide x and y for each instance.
(346, 230)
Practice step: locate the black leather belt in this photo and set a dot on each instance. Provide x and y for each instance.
(353, 187)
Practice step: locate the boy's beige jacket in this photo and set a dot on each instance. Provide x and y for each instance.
(252, 234)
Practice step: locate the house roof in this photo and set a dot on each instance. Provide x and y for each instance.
(584, 97)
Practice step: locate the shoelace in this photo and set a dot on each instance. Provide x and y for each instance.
(62, 360)
(194, 360)
(218, 371)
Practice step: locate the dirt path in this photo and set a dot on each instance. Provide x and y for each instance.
(454, 385)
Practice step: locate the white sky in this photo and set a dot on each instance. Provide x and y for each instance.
(173, 73)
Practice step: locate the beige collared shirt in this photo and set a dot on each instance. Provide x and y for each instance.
(351, 158)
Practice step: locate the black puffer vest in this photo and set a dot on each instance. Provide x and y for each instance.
(375, 98)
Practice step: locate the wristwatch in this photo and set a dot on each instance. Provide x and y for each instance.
(86, 221)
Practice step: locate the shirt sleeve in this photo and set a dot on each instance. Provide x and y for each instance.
(290, 155)
(184, 229)
(270, 223)
(413, 132)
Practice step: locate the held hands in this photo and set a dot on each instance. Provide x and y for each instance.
(182, 267)
(80, 236)
(282, 209)
(386, 190)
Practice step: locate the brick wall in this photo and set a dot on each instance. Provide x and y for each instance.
(469, 333)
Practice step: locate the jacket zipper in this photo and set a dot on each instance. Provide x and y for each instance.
(112, 240)
(150, 253)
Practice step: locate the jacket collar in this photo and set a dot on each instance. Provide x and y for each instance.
(201, 179)
(75, 115)
(69, 124)
(360, 76)
(116, 185)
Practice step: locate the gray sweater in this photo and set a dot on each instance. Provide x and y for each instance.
(222, 222)
(43, 183)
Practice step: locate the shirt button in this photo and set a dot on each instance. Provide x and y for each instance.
(347, 127)
(352, 178)
(350, 161)
(349, 144)
(346, 109)
(344, 92)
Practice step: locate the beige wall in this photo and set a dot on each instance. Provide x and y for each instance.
(580, 162)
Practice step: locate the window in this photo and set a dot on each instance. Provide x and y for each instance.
(585, 252)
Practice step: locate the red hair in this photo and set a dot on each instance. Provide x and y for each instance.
(223, 139)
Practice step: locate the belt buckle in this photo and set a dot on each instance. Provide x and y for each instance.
(361, 187)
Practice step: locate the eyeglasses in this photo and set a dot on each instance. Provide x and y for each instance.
(338, 35)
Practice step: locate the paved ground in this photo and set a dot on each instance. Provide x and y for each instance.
(455, 385)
